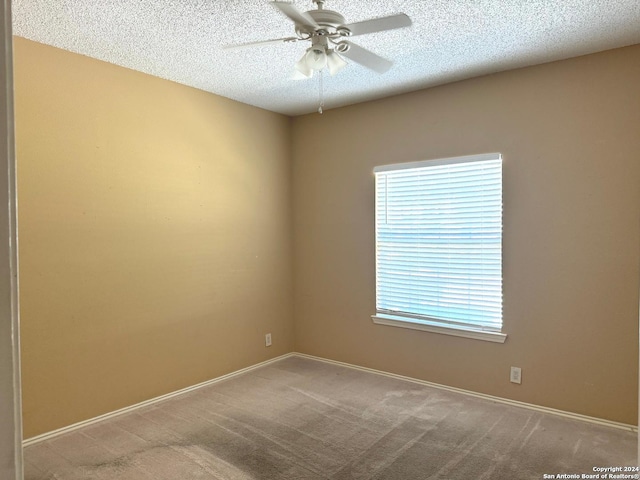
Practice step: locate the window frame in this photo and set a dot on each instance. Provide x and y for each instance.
(424, 323)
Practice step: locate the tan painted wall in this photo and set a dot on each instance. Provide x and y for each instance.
(155, 235)
(570, 136)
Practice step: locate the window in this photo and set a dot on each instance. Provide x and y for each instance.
(439, 246)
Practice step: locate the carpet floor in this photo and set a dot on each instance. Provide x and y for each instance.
(301, 419)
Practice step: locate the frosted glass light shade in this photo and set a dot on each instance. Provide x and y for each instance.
(335, 62)
(316, 58)
(303, 67)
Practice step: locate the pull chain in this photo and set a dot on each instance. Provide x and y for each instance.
(321, 94)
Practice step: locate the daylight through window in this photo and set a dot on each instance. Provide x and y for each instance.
(439, 242)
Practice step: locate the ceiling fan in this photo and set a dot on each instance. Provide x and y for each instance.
(328, 32)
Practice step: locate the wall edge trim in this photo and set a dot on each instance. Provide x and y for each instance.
(562, 413)
(85, 423)
(506, 401)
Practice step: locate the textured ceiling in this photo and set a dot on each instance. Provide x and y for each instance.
(449, 40)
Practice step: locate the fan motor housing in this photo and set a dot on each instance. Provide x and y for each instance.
(328, 20)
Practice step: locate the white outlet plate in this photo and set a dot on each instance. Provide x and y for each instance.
(267, 340)
(516, 375)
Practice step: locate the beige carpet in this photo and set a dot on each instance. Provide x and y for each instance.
(303, 419)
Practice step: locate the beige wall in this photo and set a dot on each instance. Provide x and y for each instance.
(155, 235)
(570, 136)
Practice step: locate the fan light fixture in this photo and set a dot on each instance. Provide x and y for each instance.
(318, 57)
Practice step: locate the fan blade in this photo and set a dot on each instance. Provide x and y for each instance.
(298, 17)
(366, 58)
(379, 24)
(263, 42)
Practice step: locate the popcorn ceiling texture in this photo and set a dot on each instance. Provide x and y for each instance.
(450, 40)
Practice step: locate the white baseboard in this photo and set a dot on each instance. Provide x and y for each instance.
(515, 403)
(162, 398)
(146, 403)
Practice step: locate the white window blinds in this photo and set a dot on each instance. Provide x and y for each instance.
(439, 241)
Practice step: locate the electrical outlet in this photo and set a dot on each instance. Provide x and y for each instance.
(267, 340)
(516, 375)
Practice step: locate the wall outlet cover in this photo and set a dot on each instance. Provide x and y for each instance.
(516, 375)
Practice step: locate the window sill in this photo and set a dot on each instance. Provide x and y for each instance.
(426, 326)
